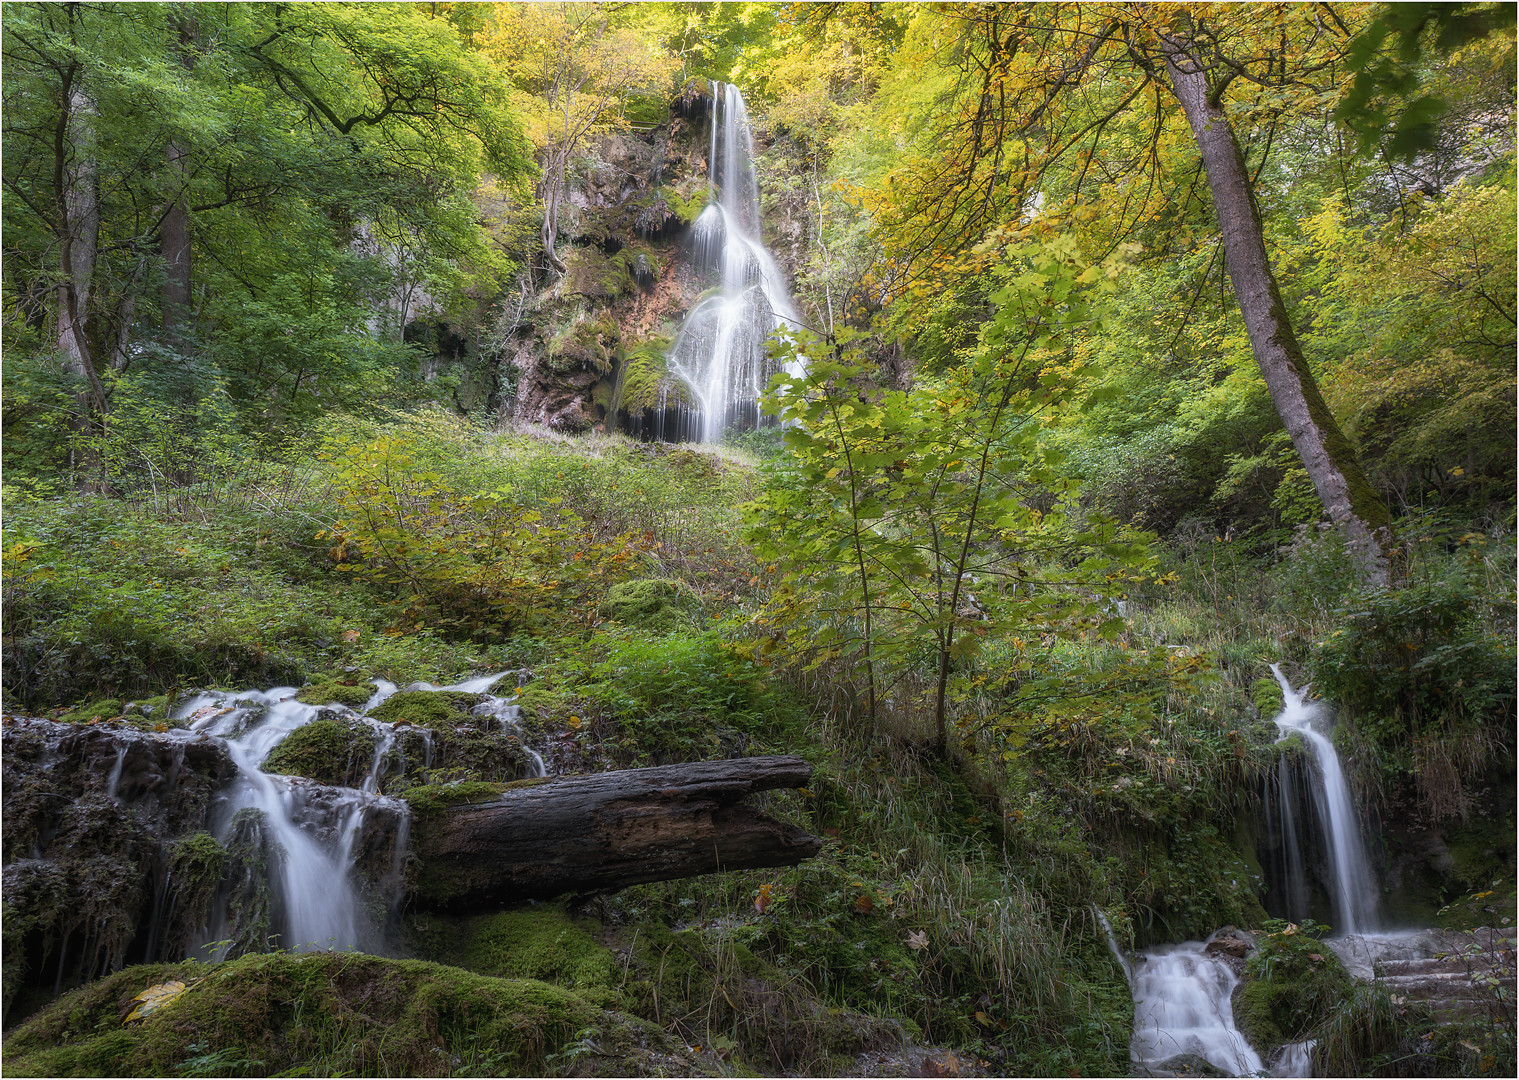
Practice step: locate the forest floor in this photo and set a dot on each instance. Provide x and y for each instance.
(949, 927)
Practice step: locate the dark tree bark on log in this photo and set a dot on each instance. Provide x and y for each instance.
(607, 831)
(1349, 499)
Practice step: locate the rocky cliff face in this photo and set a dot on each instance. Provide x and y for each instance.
(593, 344)
(615, 310)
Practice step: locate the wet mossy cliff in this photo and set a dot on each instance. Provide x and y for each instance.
(585, 349)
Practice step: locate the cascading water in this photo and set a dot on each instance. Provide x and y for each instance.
(314, 834)
(720, 352)
(1351, 884)
(1181, 1006)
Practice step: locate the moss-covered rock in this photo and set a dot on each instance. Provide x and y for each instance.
(1292, 983)
(333, 691)
(335, 1014)
(329, 751)
(1266, 696)
(657, 604)
(426, 708)
(104, 709)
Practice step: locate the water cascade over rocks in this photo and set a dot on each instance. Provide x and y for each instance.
(332, 851)
(1182, 1009)
(720, 352)
(103, 822)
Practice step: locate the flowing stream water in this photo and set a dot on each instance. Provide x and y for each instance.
(312, 833)
(1182, 992)
(720, 351)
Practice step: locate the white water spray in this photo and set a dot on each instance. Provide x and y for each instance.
(720, 352)
(1353, 887)
(1181, 1006)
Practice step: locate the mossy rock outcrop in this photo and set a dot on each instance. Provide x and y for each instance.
(334, 691)
(657, 604)
(328, 750)
(426, 708)
(1292, 983)
(334, 1014)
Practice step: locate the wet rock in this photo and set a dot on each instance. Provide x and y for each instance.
(91, 812)
(1187, 1065)
(1231, 946)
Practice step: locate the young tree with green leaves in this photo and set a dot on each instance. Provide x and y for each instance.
(905, 519)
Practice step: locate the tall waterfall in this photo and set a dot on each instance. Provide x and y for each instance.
(1351, 884)
(720, 352)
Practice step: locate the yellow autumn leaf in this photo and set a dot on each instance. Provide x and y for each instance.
(154, 998)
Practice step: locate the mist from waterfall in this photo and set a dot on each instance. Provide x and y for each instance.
(721, 350)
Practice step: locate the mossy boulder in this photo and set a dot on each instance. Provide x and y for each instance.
(1266, 696)
(1292, 983)
(427, 708)
(541, 942)
(657, 604)
(329, 751)
(104, 709)
(334, 1014)
(333, 691)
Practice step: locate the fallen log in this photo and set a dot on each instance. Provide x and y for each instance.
(604, 831)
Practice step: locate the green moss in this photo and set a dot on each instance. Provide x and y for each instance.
(196, 865)
(591, 273)
(427, 800)
(1292, 983)
(327, 751)
(686, 207)
(426, 708)
(327, 1014)
(657, 604)
(540, 942)
(104, 709)
(331, 691)
(1266, 695)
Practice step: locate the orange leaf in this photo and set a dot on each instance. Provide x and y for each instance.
(864, 905)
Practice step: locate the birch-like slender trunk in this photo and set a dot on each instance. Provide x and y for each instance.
(1349, 499)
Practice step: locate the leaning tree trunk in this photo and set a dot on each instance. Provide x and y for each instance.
(1349, 499)
(606, 831)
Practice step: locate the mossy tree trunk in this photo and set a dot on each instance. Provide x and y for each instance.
(1349, 499)
(543, 838)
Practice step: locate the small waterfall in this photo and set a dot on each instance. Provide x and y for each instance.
(314, 836)
(311, 830)
(720, 352)
(1351, 885)
(1181, 1006)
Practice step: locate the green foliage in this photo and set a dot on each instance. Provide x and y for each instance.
(475, 564)
(1415, 662)
(676, 697)
(895, 505)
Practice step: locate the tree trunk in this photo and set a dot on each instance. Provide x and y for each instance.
(1349, 499)
(175, 248)
(174, 234)
(79, 238)
(607, 831)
